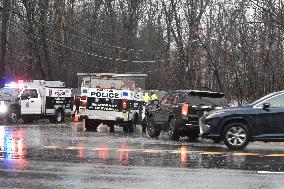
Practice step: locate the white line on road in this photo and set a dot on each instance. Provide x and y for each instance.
(269, 172)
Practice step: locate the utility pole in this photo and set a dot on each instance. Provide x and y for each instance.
(3, 43)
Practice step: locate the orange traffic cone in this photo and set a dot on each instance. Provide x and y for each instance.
(76, 117)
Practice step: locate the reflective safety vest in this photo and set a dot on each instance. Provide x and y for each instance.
(154, 97)
(146, 98)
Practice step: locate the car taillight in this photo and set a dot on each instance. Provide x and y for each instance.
(124, 105)
(84, 98)
(185, 110)
(84, 103)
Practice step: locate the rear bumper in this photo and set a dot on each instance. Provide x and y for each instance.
(185, 126)
(108, 115)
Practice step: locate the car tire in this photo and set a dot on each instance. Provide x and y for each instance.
(192, 137)
(58, 117)
(111, 128)
(91, 125)
(172, 131)
(13, 116)
(152, 131)
(129, 127)
(236, 136)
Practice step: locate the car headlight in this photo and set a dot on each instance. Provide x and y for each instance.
(3, 108)
(213, 115)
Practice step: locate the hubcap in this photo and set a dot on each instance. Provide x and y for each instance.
(171, 129)
(13, 116)
(59, 117)
(150, 125)
(236, 136)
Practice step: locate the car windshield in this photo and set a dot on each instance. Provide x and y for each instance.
(9, 92)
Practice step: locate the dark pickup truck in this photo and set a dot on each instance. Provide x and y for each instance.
(179, 113)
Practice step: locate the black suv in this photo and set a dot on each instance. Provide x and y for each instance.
(262, 120)
(179, 113)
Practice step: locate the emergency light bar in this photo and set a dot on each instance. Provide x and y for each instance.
(15, 85)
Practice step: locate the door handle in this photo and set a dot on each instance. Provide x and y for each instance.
(32, 101)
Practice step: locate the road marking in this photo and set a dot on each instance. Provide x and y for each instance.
(245, 154)
(152, 151)
(162, 151)
(212, 153)
(269, 172)
(275, 155)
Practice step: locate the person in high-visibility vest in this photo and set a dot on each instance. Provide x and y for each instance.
(153, 97)
(146, 98)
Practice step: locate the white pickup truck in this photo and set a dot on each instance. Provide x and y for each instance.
(37, 99)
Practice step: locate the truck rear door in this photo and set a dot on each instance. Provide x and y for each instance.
(106, 99)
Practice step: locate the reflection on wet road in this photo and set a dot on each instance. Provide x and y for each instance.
(24, 147)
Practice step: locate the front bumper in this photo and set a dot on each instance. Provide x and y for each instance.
(3, 110)
(208, 128)
(3, 116)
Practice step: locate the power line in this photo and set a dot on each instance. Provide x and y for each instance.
(88, 53)
(70, 48)
(85, 39)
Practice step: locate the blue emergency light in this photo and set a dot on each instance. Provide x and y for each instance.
(125, 93)
(85, 91)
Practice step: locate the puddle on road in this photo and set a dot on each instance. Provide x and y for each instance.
(13, 148)
(20, 146)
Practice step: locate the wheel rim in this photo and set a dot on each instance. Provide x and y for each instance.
(236, 136)
(13, 116)
(171, 128)
(150, 125)
(59, 116)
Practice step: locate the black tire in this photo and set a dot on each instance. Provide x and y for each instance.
(236, 136)
(91, 125)
(111, 128)
(13, 116)
(129, 127)
(173, 132)
(125, 128)
(152, 131)
(58, 117)
(192, 137)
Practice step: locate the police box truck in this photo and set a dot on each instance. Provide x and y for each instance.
(111, 100)
(34, 100)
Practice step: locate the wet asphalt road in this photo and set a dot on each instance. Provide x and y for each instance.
(65, 156)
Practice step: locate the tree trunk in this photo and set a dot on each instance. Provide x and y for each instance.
(3, 46)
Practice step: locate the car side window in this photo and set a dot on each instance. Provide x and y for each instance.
(29, 93)
(34, 93)
(182, 98)
(275, 102)
(168, 99)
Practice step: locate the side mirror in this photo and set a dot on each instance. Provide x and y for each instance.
(266, 106)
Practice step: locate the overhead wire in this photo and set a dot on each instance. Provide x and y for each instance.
(92, 54)
(89, 40)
